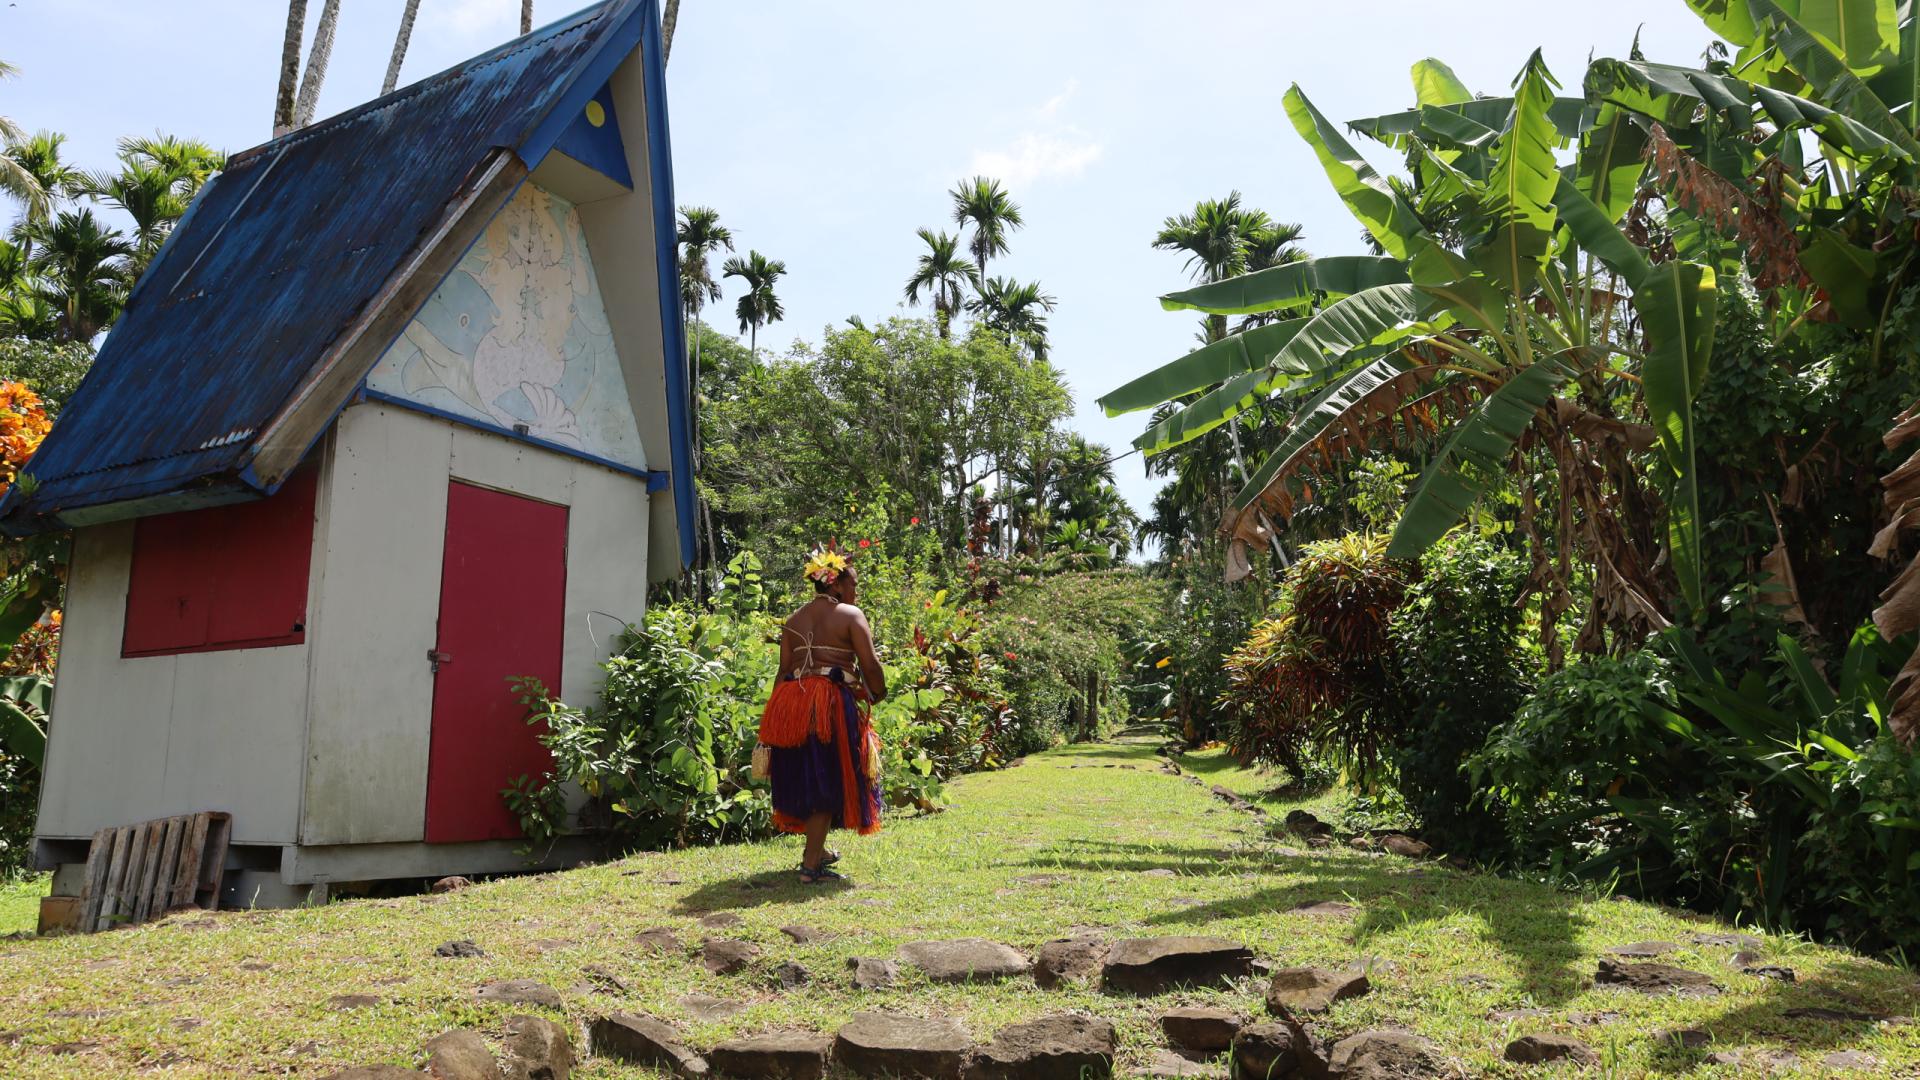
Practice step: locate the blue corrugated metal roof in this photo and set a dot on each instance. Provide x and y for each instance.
(285, 250)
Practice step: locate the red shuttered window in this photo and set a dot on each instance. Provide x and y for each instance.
(227, 577)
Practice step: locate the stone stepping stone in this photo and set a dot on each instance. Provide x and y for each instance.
(1547, 1048)
(1405, 846)
(1593, 1019)
(800, 933)
(780, 1055)
(462, 950)
(1778, 1059)
(642, 1040)
(1644, 950)
(1326, 907)
(1476, 982)
(872, 973)
(520, 992)
(1654, 979)
(537, 1048)
(1505, 1016)
(1074, 961)
(460, 1055)
(547, 945)
(1687, 1038)
(451, 884)
(1156, 965)
(1732, 941)
(1047, 1049)
(605, 980)
(792, 975)
(719, 920)
(660, 939)
(964, 960)
(256, 967)
(707, 1008)
(1371, 965)
(1167, 1065)
(1744, 958)
(349, 1002)
(1043, 879)
(1850, 1059)
(1201, 1029)
(725, 956)
(1379, 1055)
(1769, 971)
(1265, 1050)
(1313, 990)
(880, 1044)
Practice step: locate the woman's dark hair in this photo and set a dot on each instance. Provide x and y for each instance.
(821, 586)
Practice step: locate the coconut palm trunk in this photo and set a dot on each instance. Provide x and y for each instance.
(400, 47)
(667, 22)
(289, 67)
(317, 65)
(526, 16)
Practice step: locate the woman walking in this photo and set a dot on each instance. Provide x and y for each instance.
(825, 758)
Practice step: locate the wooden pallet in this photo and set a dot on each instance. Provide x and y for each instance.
(140, 872)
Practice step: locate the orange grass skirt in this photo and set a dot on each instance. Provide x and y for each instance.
(816, 726)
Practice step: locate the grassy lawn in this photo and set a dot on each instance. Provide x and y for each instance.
(20, 903)
(195, 998)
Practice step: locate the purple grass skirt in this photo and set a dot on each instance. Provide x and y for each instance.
(814, 777)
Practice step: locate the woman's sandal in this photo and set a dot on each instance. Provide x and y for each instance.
(830, 857)
(816, 877)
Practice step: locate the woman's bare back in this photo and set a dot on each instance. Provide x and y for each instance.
(838, 633)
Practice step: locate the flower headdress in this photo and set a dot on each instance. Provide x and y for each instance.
(825, 565)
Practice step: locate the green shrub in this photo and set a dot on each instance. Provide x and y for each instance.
(1060, 648)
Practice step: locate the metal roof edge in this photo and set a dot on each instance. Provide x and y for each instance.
(666, 251)
(629, 26)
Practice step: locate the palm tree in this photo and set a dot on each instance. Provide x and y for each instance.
(941, 272)
(1265, 249)
(1015, 310)
(759, 306)
(526, 17)
(15, 180)
(158, 179)
(1215, 236)
(668, 19)
(400, 45)
(83, 270)
(193, 161)
(58, 182)
(981, 203)
(289, 67)
(700, 234)
(317, 65)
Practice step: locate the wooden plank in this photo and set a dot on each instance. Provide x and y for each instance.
(186, 879)
(150, 870)
(99, 854)
(116, 879)
(213, 863)
(136, 866)
(169, 865)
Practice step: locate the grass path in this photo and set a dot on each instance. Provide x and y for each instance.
(192, 995)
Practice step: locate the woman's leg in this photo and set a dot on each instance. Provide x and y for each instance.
(817, 827)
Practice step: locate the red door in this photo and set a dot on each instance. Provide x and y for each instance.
(502, 601)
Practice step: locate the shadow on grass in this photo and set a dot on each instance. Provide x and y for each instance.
(756, 890)
(1534, 927)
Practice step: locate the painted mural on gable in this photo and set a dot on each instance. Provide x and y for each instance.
(518, 335)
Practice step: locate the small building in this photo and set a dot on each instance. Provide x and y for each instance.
(398, 414)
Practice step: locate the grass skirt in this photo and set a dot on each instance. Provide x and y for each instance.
(819, 733)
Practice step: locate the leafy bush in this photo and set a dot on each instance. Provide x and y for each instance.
(1457, 677)
(1786, 803)
(1061, 644)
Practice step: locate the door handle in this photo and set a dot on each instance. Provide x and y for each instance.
(435, 658)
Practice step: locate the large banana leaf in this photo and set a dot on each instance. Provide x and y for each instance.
(1610, 163)
(1315, 415)
(1594, 231)
(1288, 285)
(19, 732)
(1465, 121)
(1864, 34)
(1434, 83)
(1518, 203)
(1837, 86)
(1376, 316)
(1378, 207)
(1678, 303)
(1670, 95)
(1211, 363)
(1727, 18)
(1483, 441)
(1846, 272)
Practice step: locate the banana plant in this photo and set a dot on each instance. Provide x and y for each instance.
(1496, 290)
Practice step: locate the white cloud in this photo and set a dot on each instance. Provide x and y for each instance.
(1053, 104)
(1038, 154)
(472, 20)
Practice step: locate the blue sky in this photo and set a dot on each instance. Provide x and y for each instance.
(826, 132)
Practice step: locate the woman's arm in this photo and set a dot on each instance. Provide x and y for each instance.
(786, 654)
(870, 669)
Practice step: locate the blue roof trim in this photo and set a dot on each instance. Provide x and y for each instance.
(656, 480)
(598, 148)
(589, 76)
(666, 250)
